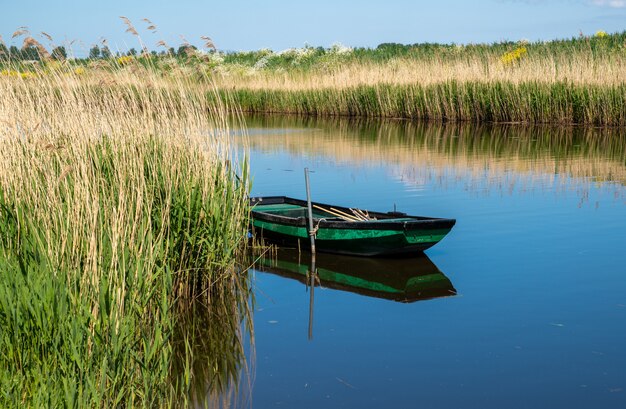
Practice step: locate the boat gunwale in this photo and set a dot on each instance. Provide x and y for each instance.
(387, 223)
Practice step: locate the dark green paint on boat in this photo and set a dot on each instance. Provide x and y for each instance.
(404, 280)
(283, 220)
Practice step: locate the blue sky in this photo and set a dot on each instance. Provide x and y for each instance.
(249, 24)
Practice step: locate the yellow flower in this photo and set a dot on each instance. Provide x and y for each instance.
(601, 34)
(27, 75)
(79, 71)
(127, 59)
(9, 73)
(15, 74)
(513, 56)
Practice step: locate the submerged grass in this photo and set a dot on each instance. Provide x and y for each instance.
(119, 204)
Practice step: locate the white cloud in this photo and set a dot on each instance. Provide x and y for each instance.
(616, 4)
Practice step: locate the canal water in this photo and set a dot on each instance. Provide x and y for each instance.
(522, 305)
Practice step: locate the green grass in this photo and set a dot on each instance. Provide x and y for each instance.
(575, 81)
(570, 81)
(120, 210)
(105, 341)
(529, 102)
(320, 57)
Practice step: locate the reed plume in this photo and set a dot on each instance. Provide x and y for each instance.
(31, 42)
(20, 32)
(46, 35)
(150, 25)
(129, 26)
(208, 43)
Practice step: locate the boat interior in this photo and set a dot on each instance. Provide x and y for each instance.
(292, 210)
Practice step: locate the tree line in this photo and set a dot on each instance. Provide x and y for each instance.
(95, 52)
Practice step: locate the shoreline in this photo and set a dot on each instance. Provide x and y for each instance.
(530, 103)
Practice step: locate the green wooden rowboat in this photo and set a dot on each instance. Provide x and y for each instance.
(403, 280)
(284, 221)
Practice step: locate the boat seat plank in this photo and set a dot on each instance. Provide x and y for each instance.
(277, 207)
(291, 210)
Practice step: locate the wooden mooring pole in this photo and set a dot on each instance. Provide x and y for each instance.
(308, 201)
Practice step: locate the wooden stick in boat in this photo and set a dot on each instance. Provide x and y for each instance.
(358, 215)
(339, 213)
(335, 213)
(355, 214)
(364, 214)
(328, 211)
(360, 212)
(346, 215)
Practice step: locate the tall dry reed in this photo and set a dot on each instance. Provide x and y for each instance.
(578, 81)
(120, 197)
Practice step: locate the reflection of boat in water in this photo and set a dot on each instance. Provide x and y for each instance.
(404, 280)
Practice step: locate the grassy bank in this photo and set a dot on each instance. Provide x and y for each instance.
(524, 102)
(573, 81)
(119, 206)
(576, 81)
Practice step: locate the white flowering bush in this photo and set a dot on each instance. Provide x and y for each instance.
(297, 55)
(262, 63)
(340, 49)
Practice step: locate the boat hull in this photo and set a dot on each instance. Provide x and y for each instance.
(387, 236)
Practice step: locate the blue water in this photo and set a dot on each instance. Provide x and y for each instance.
(538, 259)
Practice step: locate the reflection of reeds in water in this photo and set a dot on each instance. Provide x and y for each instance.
(495, 154)
(209, 348)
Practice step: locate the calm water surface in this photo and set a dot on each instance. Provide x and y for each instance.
(533, 314)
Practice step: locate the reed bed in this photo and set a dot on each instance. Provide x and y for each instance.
(121, 202)
(577, 81)
(504, 156)
(500, 102)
